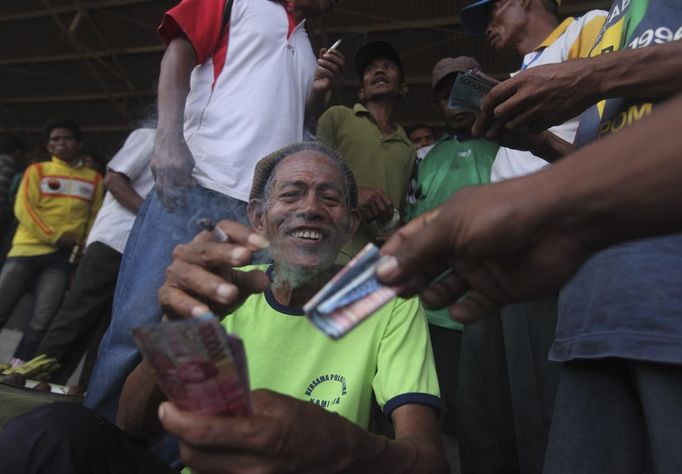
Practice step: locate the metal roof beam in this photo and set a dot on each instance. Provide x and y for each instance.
(70, 9)
(85, 55)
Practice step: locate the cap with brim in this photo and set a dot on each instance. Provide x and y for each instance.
(447, 66)
(372, 50)
(475, 16)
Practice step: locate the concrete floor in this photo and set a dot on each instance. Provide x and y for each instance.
(11, 335)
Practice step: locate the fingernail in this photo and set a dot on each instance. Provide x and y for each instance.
(162, 411)
(387, 266)
(199, 311)
(224, 291)
(240, 253)
(258, 241)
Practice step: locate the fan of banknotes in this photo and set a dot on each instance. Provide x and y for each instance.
(200, 367)
(469, 90)
(350, 297)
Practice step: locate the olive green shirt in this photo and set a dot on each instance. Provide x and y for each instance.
(377, 161)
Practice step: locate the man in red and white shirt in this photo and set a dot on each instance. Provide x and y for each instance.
(235, 83)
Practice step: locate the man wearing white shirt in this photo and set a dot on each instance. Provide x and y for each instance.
(532, 29)
(88, 304)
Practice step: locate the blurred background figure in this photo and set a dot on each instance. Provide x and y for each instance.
(421, 135)
(56, 205)
(84, 316)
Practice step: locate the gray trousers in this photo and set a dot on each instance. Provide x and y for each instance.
(48, 276)
(528, 330)
(617, 416)
(86, 306)
(485, 423)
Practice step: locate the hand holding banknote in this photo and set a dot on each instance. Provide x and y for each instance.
(282, 435)
(495, 241)
(202, 277)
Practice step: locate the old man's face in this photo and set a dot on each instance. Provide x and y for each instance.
(306, 217)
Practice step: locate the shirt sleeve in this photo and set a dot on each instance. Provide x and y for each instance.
(587, 28)
(133, 158)
(406, 372)
(26, 207)
(201, 21)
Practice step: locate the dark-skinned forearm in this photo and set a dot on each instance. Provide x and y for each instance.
(138, 405)
(315, 105)
(652, 72)
(174, 79)
(550, 147)
(622, 187)
(119, 186)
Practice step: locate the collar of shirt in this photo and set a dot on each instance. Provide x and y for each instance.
(399, 134)
(534, 55)
(460, 137)
(56, 159)
(554, 35)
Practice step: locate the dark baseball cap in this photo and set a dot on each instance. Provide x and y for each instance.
(447, 66)
(376, 49)
(475, 16)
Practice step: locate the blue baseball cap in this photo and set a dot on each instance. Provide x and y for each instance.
(475, 16)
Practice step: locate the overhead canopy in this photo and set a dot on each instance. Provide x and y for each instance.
(97, 61)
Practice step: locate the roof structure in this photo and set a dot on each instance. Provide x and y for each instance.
(97, 61)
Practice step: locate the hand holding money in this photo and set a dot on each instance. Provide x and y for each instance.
(202, 277)
(282, 435)
(470, 89)
(351, 296)
(197, 365)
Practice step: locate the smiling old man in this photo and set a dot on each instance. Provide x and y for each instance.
(303, 208)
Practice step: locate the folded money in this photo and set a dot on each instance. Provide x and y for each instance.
(200, 367)
(469, 90)
(350, 297)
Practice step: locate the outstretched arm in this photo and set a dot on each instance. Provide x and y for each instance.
(543, 96)
(526, 236)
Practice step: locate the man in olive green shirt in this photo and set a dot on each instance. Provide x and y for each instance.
(377, 150)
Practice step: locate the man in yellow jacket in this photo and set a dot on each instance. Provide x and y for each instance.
(56, 204)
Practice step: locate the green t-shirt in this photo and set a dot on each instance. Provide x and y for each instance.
(376, 161)
(449, 166)
(389, 353)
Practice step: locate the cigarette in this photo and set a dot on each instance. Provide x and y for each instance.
(335, 45)
(215, 231)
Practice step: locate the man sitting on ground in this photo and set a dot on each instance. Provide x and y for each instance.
(303, 205)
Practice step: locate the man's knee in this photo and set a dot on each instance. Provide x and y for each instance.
(56, 423)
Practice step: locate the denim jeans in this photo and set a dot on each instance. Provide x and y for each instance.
(148, 252)
(48, 276)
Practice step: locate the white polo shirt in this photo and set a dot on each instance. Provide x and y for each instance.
(248, 94)
(571, 39)
(114, 222)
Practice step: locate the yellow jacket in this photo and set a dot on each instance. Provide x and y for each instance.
(54, 199)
